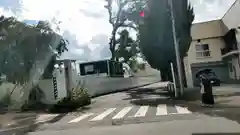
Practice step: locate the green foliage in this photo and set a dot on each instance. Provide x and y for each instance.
(22, 45)
(141, 66)
(156, 39)
(120, 18)
(133, 65)
(78, 97)
(127, 47)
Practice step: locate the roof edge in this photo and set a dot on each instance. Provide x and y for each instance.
(229, 9)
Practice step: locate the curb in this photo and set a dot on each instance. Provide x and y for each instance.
(125, 89)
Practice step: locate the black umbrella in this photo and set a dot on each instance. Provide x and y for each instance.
(203, 72)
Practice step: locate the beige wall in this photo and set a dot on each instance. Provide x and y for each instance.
(208, 29)
(230, 19)
(235, 74)
(188, 72)
(215, 45)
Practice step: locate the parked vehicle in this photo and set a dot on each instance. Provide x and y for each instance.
(215, 80)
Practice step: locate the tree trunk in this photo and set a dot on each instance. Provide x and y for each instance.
(166, 75)
(113, 43)
(113, 53)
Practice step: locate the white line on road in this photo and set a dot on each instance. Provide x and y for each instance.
(122, 113)
(141, 112)
(182, 110)
(81, 117)
(45, 117)
(161, 110)
(104, 114)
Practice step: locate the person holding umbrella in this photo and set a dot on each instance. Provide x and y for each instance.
(206, 91)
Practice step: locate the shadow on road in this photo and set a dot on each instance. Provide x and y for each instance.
(153, 97)
(148, 96)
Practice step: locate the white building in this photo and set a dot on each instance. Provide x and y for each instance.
(215, 46)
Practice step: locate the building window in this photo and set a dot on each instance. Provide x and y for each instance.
(89, 69)
(202, 51)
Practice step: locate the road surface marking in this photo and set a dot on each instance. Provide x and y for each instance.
(104, 114)
(161, 110)
(122, 113)
(45, 117)
(141, 112)
(182, 110)
(81, 117)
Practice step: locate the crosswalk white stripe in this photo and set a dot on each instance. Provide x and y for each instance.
(45, 117)
(122, 113)
(81, 117)
(103, 115)
(161, 110)
(182, 110)
(141, 112)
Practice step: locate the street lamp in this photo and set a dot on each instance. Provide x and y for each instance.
(176, 46)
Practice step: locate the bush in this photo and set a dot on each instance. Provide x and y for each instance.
(141, 66)
(78, 97)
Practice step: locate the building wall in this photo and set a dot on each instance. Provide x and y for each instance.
(209, 29)
(188, 72)
(211, 33)
(230, 19)
(234, 68)
(215, 45)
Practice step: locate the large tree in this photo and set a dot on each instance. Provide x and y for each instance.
(22, 46)
(156, 38)
(119, 16)
(127, 49)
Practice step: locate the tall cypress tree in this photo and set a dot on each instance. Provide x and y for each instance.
(156, 37)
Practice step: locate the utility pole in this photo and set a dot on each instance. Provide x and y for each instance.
(174, 81)
(176, 46)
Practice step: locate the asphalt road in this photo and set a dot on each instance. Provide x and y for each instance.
(140, 111)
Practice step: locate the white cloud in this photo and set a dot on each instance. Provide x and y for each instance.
(86, 21)
(206, 10)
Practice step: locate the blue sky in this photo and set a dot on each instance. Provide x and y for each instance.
(85, 22)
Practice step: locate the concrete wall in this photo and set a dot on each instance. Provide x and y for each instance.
(231, 19)
(47, 86)
(98, 85)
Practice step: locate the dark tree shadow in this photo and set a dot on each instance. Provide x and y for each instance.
(221, 108)
(148, 96)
